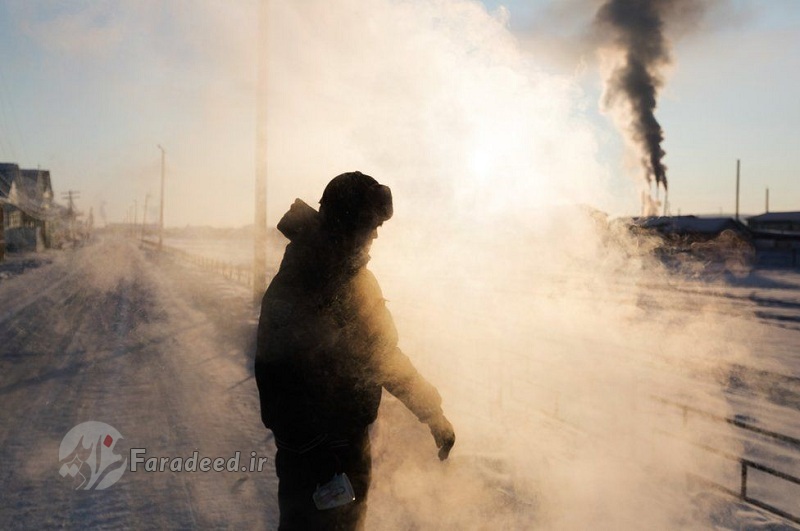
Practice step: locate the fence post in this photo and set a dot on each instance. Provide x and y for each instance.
(743, 489)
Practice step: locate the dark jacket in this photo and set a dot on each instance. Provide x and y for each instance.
(327, 343)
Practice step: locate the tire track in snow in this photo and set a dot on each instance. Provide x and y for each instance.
(74, 350)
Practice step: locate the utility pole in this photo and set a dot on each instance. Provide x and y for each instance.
(70, 196)
(260, 220)
(766, 209)
(161, 212)
(144, 214)
(737, 189)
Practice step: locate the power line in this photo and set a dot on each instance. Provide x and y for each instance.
(71, 195)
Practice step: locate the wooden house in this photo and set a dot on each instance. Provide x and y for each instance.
(777, 238)
(26, 198)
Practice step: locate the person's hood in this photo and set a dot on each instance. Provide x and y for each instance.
(301, 223)
(311, 247)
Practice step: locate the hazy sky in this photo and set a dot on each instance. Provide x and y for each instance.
(88, 89)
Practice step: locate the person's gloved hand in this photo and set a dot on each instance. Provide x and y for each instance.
(443, 434)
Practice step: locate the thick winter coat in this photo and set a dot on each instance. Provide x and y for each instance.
(327, 344)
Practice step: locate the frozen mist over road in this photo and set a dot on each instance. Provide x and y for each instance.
(104, 334)
(552, 405)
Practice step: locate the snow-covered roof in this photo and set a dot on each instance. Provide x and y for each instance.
(776, 217)
(690, 224)
(37, 183)
(29, 190)
(8, 174)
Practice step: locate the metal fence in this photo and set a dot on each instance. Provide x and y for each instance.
(744, 463)
(237, 273)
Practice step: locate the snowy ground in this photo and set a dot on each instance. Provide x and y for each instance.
(162, 351)
(103, 334)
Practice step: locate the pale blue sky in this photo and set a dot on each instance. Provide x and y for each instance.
(732, 93)
(87, 90)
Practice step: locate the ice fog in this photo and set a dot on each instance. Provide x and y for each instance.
(551, 335)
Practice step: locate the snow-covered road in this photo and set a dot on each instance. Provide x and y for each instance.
(105, 334)
(561, 433)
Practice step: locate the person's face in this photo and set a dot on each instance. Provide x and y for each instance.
(363, 238)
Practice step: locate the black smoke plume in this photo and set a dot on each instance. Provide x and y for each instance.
(636, 28)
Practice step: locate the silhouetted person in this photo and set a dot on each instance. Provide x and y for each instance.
(327, 345)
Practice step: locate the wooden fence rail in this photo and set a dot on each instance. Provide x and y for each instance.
(237, 273)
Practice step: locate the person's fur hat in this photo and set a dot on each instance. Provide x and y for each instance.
(353, 201)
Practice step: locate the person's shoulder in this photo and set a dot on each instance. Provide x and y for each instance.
(366, 275)
(366, 284)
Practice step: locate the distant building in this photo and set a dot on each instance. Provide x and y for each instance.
(29, 213)
(776, 223)
(712, 240)
(777, 238)
(692, 229)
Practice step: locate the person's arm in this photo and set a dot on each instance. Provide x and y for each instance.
(397, 374)
(403, 380)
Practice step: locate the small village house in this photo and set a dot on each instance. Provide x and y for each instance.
(30, 216)
(777, 238)
(722, 241)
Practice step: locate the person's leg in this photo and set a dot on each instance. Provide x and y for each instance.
(356, 462)
(296, 484)
(300, 474)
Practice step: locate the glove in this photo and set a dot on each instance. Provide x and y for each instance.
(443, 434)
